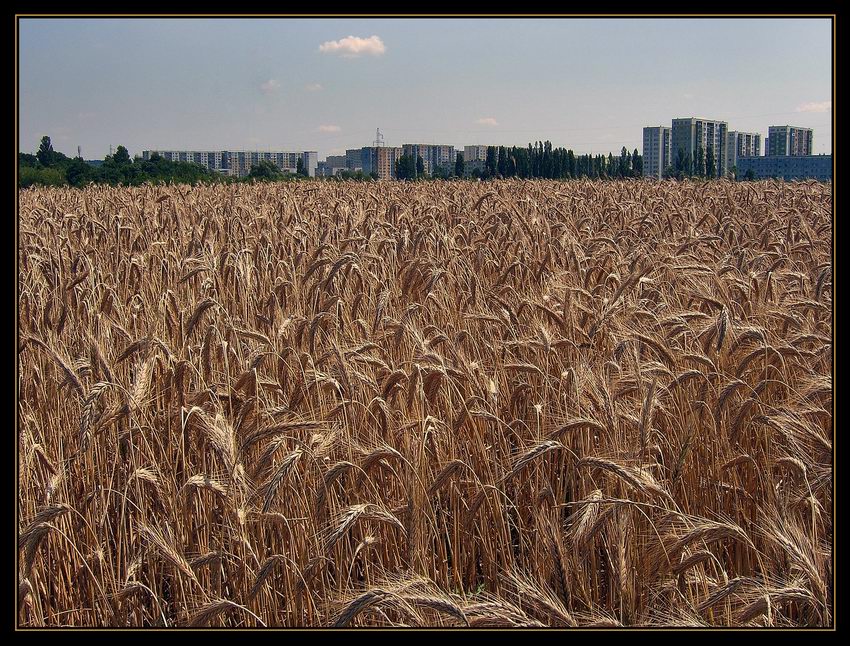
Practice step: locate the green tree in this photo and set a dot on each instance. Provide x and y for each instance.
(710, 165)
(26, 160)
(121, 156)
(29, 176)
(442, 172)
(265, 171)
(405, 167)
(699, 165)
(46, 155)
(491, 162)
(637, 164)
(420, 167)
(459, 165)
(682, 166)
(299, 168)
(79, 173)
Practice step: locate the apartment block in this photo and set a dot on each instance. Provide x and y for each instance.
(367, 159)
(354, 159)
(741, 144)
(238, 163)
(433, 155)
(217, 160)
(474, 154)
(380, 160)
(788, 140)
(656, 151)
(787, 167)
(692, 135)
(385, 159)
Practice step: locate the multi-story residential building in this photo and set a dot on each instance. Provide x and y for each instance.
(474, 154)
(656, 151)
(323, 170)
(788, 140)
(380, 160)
(787, 167)
(354, 159)
(310, 159)
(217, 160)
(694, 135)
(474, 158)
(241, 161)
(385, 160)
(335, 164)
(238, 163)
(433, 156)
(367, 159)
(741, 144)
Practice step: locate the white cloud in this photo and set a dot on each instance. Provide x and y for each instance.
(487, 121)
(353, 46)
(314, 87)
(329, 128)
(270, 86)
(823, 106)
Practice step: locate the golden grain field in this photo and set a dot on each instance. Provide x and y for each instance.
(435, 404)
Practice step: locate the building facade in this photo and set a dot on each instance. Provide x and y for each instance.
(237, 163)
(367, 159)
(385, 158)
(354, 159)
(787, 167)
(433, 156)
(741, 144)
(656, 151)
(789, 140)
(336, 163)
(380, 160)
(693, 136)
(474, 154)
(217, 160)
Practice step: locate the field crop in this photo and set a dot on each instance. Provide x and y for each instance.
(434, 404)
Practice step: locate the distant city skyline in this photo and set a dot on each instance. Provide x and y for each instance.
(324, 85)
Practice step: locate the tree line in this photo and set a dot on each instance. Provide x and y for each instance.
(702, 164)
(49, 167)
(538, 160)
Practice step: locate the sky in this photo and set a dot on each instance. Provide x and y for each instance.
(327, 84)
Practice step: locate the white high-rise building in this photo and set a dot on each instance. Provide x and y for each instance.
(656, 151)
(692, 136)
(788, 140)
(741, 144)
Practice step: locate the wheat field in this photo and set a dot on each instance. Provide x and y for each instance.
(502, 404)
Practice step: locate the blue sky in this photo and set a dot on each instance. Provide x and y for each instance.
(303, 84)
